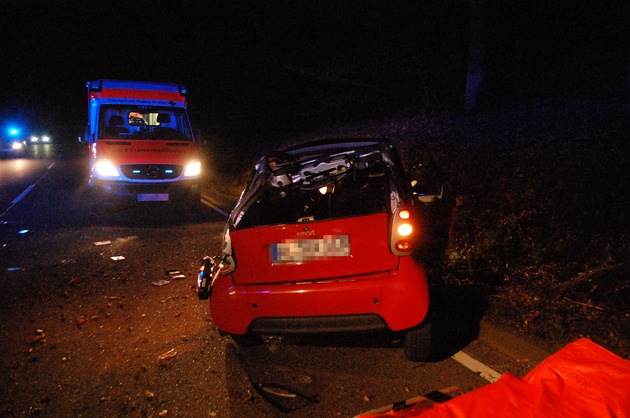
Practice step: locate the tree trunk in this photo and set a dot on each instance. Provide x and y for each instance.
(475, 73)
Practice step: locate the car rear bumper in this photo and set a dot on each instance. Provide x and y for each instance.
(170, 190)
(395, 300)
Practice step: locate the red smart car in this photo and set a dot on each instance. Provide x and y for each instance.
(325, 238)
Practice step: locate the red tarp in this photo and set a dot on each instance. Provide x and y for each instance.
(581, 380)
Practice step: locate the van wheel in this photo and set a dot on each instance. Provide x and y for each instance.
(418, 343)
(247, 340)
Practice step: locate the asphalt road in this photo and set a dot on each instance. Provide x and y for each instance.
(90, 327)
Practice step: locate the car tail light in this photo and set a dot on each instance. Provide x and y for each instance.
(404, 232)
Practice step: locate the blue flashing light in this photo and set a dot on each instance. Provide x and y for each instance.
(14, 131)
(169, 171)
(135, 171)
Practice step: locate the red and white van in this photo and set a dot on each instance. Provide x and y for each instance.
(140, 141)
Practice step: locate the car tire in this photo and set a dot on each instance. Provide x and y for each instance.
(247, 340)
(418, 343)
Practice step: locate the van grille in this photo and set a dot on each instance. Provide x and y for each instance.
(152, 171)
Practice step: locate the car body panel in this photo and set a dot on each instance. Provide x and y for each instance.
(125, 152)
(368, 250)
(400, 297)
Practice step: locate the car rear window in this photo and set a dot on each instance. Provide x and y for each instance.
(356, 193)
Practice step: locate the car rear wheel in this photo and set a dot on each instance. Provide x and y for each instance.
(418, 343)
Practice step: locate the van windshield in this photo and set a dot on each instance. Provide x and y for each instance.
(143, 122)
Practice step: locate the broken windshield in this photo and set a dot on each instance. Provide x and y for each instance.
(337, 193)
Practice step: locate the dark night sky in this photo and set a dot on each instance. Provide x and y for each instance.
(239, 56)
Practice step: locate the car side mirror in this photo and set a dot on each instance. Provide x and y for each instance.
(85, 137)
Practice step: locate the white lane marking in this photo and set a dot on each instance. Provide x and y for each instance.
(476, 366)
(26, 191)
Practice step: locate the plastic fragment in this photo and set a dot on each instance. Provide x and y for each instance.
(162, 282)
(175, 274)
(117, 257)
(103, 243)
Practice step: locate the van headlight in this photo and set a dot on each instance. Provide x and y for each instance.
(105, 168)
(193, 169)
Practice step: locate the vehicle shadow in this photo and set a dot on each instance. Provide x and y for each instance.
(457, 313)
(288, 375)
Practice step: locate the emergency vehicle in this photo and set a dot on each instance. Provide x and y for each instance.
(141, 144)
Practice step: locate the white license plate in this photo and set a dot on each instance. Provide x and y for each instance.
(152, 197)
(300, 250)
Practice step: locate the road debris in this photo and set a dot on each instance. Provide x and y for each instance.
(166, 356)
(117, 257)
(414, 406)
(40, 336)
(74, 281)
(103, 243)
(162, 282)
(284, 398)
(175, 274)
(279, 391)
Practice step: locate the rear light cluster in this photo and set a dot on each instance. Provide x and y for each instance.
(404, 232)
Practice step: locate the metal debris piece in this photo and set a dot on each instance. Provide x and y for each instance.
(283, 398)
(164, 357)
